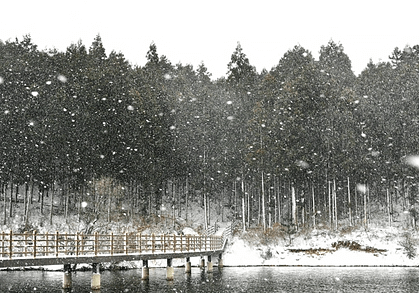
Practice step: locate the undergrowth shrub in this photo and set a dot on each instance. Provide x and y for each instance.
(408, 244)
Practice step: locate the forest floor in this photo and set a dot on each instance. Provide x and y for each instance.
(379, 244)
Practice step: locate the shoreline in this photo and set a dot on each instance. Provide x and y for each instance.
(215, 265)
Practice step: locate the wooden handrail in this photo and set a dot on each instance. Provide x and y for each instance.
(34, 245)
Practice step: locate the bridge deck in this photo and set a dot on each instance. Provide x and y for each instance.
(21, 250)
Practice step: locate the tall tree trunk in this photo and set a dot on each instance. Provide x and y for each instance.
(263, 204)
(66, 191)
(365, 206)
(349, 203)
(314, 212)
(335, 203)
(356, 206)
(243, 205)
(235, 200)
(3, 190)
(16, 193)
(186, 199)
(205, 211)
(28, 203)
(249, 215)
(25, 197)
(52, 203)
(95, 197)
(329, 192)
(279, 201)
(11, 200)
(150, 194)
(293, 207)
(110, 186)
(388, 199)
(42, 200)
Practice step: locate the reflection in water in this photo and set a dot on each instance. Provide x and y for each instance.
(256, 279)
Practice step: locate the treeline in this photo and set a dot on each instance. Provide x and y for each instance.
(303, 142)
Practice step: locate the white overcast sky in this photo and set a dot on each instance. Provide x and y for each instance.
(190, 31)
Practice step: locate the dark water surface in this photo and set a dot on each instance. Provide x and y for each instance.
(254, 279)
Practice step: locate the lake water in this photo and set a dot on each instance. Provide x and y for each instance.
(254, 279)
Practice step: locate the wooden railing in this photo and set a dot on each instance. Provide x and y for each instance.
(33, 245)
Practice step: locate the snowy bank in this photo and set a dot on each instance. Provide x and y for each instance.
(376, 248)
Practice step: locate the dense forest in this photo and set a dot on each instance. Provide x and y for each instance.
(306, 142)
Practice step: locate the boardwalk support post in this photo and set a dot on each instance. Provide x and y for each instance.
(202, 263)
(170, 274)
(209, 265)
(95, 276)
(220, 261)
(145, 273)
(67, 276)
(188, 265)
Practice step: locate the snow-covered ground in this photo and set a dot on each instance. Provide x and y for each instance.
(391, 253)
(255, 248)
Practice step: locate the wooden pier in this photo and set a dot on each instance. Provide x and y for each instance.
(33, 249)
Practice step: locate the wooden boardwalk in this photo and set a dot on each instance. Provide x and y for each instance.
(33, 249)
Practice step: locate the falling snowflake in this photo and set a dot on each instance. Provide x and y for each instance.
(62, 78)
(362, 188)
(413, 161)
(34, 93)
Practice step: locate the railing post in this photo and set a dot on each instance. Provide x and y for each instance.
(77, 244)
(2, 243)
(164, 242)
(126, 242)
(96, 243)
(11, 244)
(56, 243)
(174, 243)
(153, 242)
(65, 245)
(46, 244)
(181, 243)
(111, 243)
(210, 242)
(187, 243)
(140, 248)
(34, 244)
(26, 243)
(82, 242)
